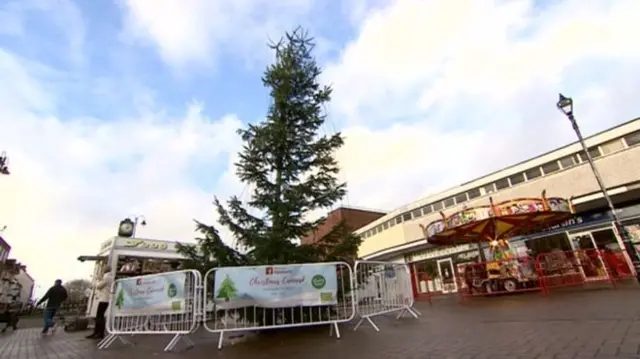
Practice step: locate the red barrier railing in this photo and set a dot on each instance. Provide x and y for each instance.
(495, 277)
(618, 264)
(547, 271)
(581, 267)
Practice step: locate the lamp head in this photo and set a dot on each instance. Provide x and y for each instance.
(565, 104)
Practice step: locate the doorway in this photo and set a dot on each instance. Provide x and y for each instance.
(447, 275)
(591, 264)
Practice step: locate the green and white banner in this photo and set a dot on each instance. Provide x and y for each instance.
(276, 286)
(156, 294)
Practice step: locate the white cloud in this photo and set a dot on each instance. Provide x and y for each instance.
(434, 93)
(198, 31)
(73, 180)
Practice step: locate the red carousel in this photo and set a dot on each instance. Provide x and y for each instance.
(496, 224)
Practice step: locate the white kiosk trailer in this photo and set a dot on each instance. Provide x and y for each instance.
(130, 256)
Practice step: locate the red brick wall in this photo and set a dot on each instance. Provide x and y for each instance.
(354, 219)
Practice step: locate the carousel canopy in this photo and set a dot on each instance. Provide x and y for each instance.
(498, 221)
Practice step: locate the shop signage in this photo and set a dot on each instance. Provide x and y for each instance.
(582, 219)
(439, 252)
(139, 243)
(466, 256)
(629, 211)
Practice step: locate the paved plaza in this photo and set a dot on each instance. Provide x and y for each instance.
(580, 324)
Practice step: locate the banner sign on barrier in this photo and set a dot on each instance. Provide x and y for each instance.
(276, 287)
(157, 294)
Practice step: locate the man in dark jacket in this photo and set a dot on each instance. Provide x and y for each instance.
(54, 297)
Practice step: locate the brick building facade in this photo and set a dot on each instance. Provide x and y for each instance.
(354, 218)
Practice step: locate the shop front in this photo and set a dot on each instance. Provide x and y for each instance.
(584, 231)
(435, 269)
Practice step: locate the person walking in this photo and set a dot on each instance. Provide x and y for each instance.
(54, 298)
(103, 294)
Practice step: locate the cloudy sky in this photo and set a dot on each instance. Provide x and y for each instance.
(109, 109)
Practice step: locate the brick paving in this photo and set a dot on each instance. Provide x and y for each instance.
(581, 324)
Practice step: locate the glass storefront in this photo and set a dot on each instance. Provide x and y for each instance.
(438, 274)
(633, 229)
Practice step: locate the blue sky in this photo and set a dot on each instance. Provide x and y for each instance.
(99, 68)
(114, 108)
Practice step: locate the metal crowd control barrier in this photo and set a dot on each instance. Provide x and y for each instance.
(223, 315)
(382, 288)
(147, 320)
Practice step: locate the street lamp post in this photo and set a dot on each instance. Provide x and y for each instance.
(138, 220)
(4, 164)
(565, 104)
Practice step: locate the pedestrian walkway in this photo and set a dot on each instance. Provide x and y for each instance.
(588, 324)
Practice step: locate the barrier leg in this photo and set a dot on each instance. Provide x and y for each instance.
(220, 339)
(172, 343)
(332, 327)
(413, 312)
(368, 319)
(109, 339)
(106, 342)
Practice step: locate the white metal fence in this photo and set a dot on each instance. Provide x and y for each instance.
(179, 317)
(243, 315)
(250, 299)
(382, 288)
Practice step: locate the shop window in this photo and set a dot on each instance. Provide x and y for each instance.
(550, 167)
(426, 209)
(593, 151)
(461, 198)
(449, 202)
(633, 229)
(474, 193)
(489, 189)
(406, 216)
(553, 243)
(516, 179)
(437, 206)
(533, 173)
(398, 219)
(632, 139)
(502, 184)
(611, 146)
(569, 161)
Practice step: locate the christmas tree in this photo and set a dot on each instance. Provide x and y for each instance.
(227, 289)
(288, 162)
(120, 299)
